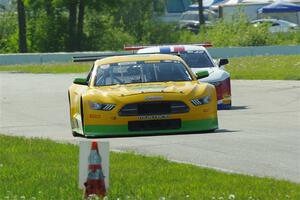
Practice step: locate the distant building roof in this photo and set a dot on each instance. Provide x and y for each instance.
(278, 7)
(206, 4)
(234, 2)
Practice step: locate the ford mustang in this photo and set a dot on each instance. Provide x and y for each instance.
(148, 94)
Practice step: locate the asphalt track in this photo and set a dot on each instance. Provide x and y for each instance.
(259, 136)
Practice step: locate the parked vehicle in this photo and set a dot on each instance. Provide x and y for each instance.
(190, 20)
(275, 25)
(169, 11)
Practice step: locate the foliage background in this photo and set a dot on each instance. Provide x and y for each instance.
(54, 26)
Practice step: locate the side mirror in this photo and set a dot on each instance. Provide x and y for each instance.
(223, 61)
(80, 81)
(201, 74)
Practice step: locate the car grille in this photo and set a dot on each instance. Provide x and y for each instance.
(154, 108)
(152, 125)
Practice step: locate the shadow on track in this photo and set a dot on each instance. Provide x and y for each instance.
(239, 107)
(225, 131)
(217, 131)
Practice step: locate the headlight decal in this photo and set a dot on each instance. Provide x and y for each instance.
(201, 101)
(101, 106)
(108, 107)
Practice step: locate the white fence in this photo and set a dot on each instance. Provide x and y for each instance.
(228, 52)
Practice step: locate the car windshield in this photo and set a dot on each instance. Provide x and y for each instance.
(141, 72)
(196, 59)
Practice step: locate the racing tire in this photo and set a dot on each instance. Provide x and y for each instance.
(212, 130)
(75, 134)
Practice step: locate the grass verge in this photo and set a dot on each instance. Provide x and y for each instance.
(265, 67)
(49, 68)
(42, 169)
(255, 68)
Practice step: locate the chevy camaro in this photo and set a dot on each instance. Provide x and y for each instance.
(141, 95)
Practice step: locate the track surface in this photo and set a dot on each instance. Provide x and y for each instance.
(259, 136)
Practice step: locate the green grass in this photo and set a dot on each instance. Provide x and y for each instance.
(258, 67)
(42, 169)
(265, 67)
(49, 68)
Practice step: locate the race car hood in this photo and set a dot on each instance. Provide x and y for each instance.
(215, 74)
(168, 89)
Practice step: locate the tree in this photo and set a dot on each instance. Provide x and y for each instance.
(201, 16)
(80, 24)
(47, 25)
(22, 26)
(72, 7)
(135, 15)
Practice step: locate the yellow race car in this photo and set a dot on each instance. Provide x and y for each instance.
(150, 94)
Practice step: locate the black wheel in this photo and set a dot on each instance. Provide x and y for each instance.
(212, 130)
(75, 134)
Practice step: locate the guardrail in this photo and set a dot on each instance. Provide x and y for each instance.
(228, 52)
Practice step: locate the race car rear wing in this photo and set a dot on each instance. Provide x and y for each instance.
(90, 58)
(138, 47)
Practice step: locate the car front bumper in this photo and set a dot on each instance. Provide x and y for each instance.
(123, 130)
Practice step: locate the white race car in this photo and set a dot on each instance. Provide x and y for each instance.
(198, 58)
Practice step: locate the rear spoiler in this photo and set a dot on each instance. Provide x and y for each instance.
(90, 58)
(138, 47)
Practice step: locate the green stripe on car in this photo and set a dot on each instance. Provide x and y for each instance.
(122, 130)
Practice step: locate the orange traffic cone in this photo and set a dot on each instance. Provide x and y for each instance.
(95, 185)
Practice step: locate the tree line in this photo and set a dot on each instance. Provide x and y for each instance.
(97, 25)
(81, 25)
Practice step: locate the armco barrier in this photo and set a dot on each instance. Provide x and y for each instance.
(40, 58)
(228, 52)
